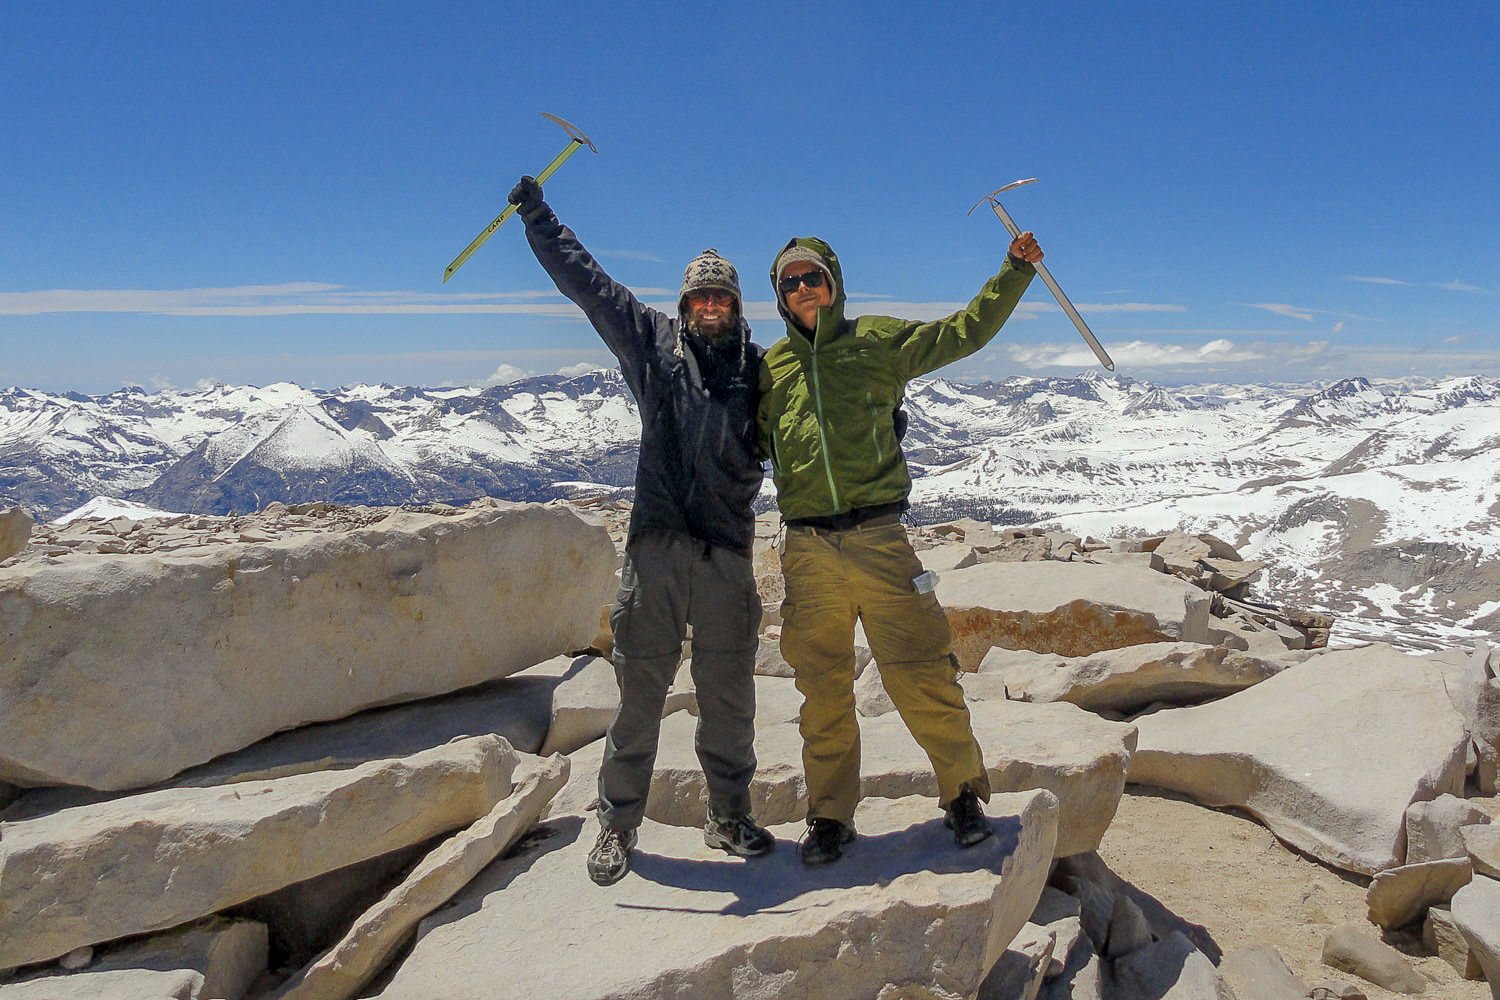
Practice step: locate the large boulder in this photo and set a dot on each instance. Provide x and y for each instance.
(1130, 678)
(1079, 757)
(206, 649)
(1328, 754)
(686, 924)
(1401, 896)
(1169, 969)
(15, 532)
(1476, 911)
(152, 861)
(1433, 828)
(585, 701)
(1072, 609)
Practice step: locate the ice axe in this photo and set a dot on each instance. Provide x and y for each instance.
(1041, 269)
(579, 139)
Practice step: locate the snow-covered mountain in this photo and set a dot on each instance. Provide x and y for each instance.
(1378, 501)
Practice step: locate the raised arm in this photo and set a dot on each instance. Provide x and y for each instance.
(926, 347)
(627, 327)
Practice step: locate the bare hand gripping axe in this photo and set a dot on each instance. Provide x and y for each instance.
(1041, 269)
(579, 139)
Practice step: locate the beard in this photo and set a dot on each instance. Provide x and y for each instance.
(714, 331)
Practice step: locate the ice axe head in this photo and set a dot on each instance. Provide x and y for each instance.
(994, 195)
(574, 132)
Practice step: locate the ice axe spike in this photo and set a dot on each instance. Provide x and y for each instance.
(1057, 293)
(578, 139)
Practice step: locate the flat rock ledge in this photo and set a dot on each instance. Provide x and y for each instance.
(1079, 757)
(687, 923)
(377, 935)
(216, 959)
(1072, 609)
(204, 649)
(150, 862)
(1327, 754)
(1132, 677)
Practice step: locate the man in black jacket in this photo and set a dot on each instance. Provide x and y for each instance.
(687, 555)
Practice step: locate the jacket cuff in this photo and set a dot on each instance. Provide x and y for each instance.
(538, 210)
(1017, 264)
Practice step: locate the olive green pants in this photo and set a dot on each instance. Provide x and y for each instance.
(865, 573)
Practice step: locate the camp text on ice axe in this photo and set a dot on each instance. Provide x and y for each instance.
(579, 139)
(1041, 269)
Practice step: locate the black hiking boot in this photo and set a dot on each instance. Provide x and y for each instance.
(737, 835)
(824, 841)
(610, 858)
(967, 820)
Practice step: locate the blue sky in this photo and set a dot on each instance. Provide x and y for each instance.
(261, 192)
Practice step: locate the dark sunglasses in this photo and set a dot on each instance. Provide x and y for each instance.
(812, 279)
(718, 295)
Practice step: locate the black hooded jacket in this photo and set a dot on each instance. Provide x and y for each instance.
(698, 472)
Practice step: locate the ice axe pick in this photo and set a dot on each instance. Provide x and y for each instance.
(578, 139)
(1057, 293)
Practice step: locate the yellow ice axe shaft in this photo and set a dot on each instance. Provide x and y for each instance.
(578, 139)
(1046, 275)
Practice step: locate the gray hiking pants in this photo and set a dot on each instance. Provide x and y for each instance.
(670, 581)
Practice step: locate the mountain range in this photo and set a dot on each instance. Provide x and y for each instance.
(1379, 502)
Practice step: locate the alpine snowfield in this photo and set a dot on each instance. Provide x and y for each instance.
(1379, 502)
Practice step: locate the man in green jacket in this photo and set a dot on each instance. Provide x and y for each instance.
(831, 393)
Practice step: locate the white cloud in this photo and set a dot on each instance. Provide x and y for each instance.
(502, 375)
(581, 368)
(1338, 327)
(1458, 286)
(1371, 279)
(1453, 341)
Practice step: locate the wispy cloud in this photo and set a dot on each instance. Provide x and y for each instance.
(1282, 309)
(1458, 286)
(1129, 307)
(1453, 341)
(1304, 313)
(1134, 354)
(289, 299)
(1371, 279)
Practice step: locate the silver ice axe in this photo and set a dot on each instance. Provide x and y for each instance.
(579, 139)
(1057, 293)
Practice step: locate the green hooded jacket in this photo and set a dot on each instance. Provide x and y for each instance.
(827, 417)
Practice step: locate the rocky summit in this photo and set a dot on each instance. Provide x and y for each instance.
(320, 752)
(1377, 500)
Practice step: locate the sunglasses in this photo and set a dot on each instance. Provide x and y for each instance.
(812, 279)
(711, 295)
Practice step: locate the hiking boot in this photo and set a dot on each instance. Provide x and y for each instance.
(737, 835)
(610, 858)
(824, 841)
(967, 820)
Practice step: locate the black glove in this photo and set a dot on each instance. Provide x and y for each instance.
(526, 196)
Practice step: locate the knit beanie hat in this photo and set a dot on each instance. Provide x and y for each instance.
(794, 255)
(709, 270)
